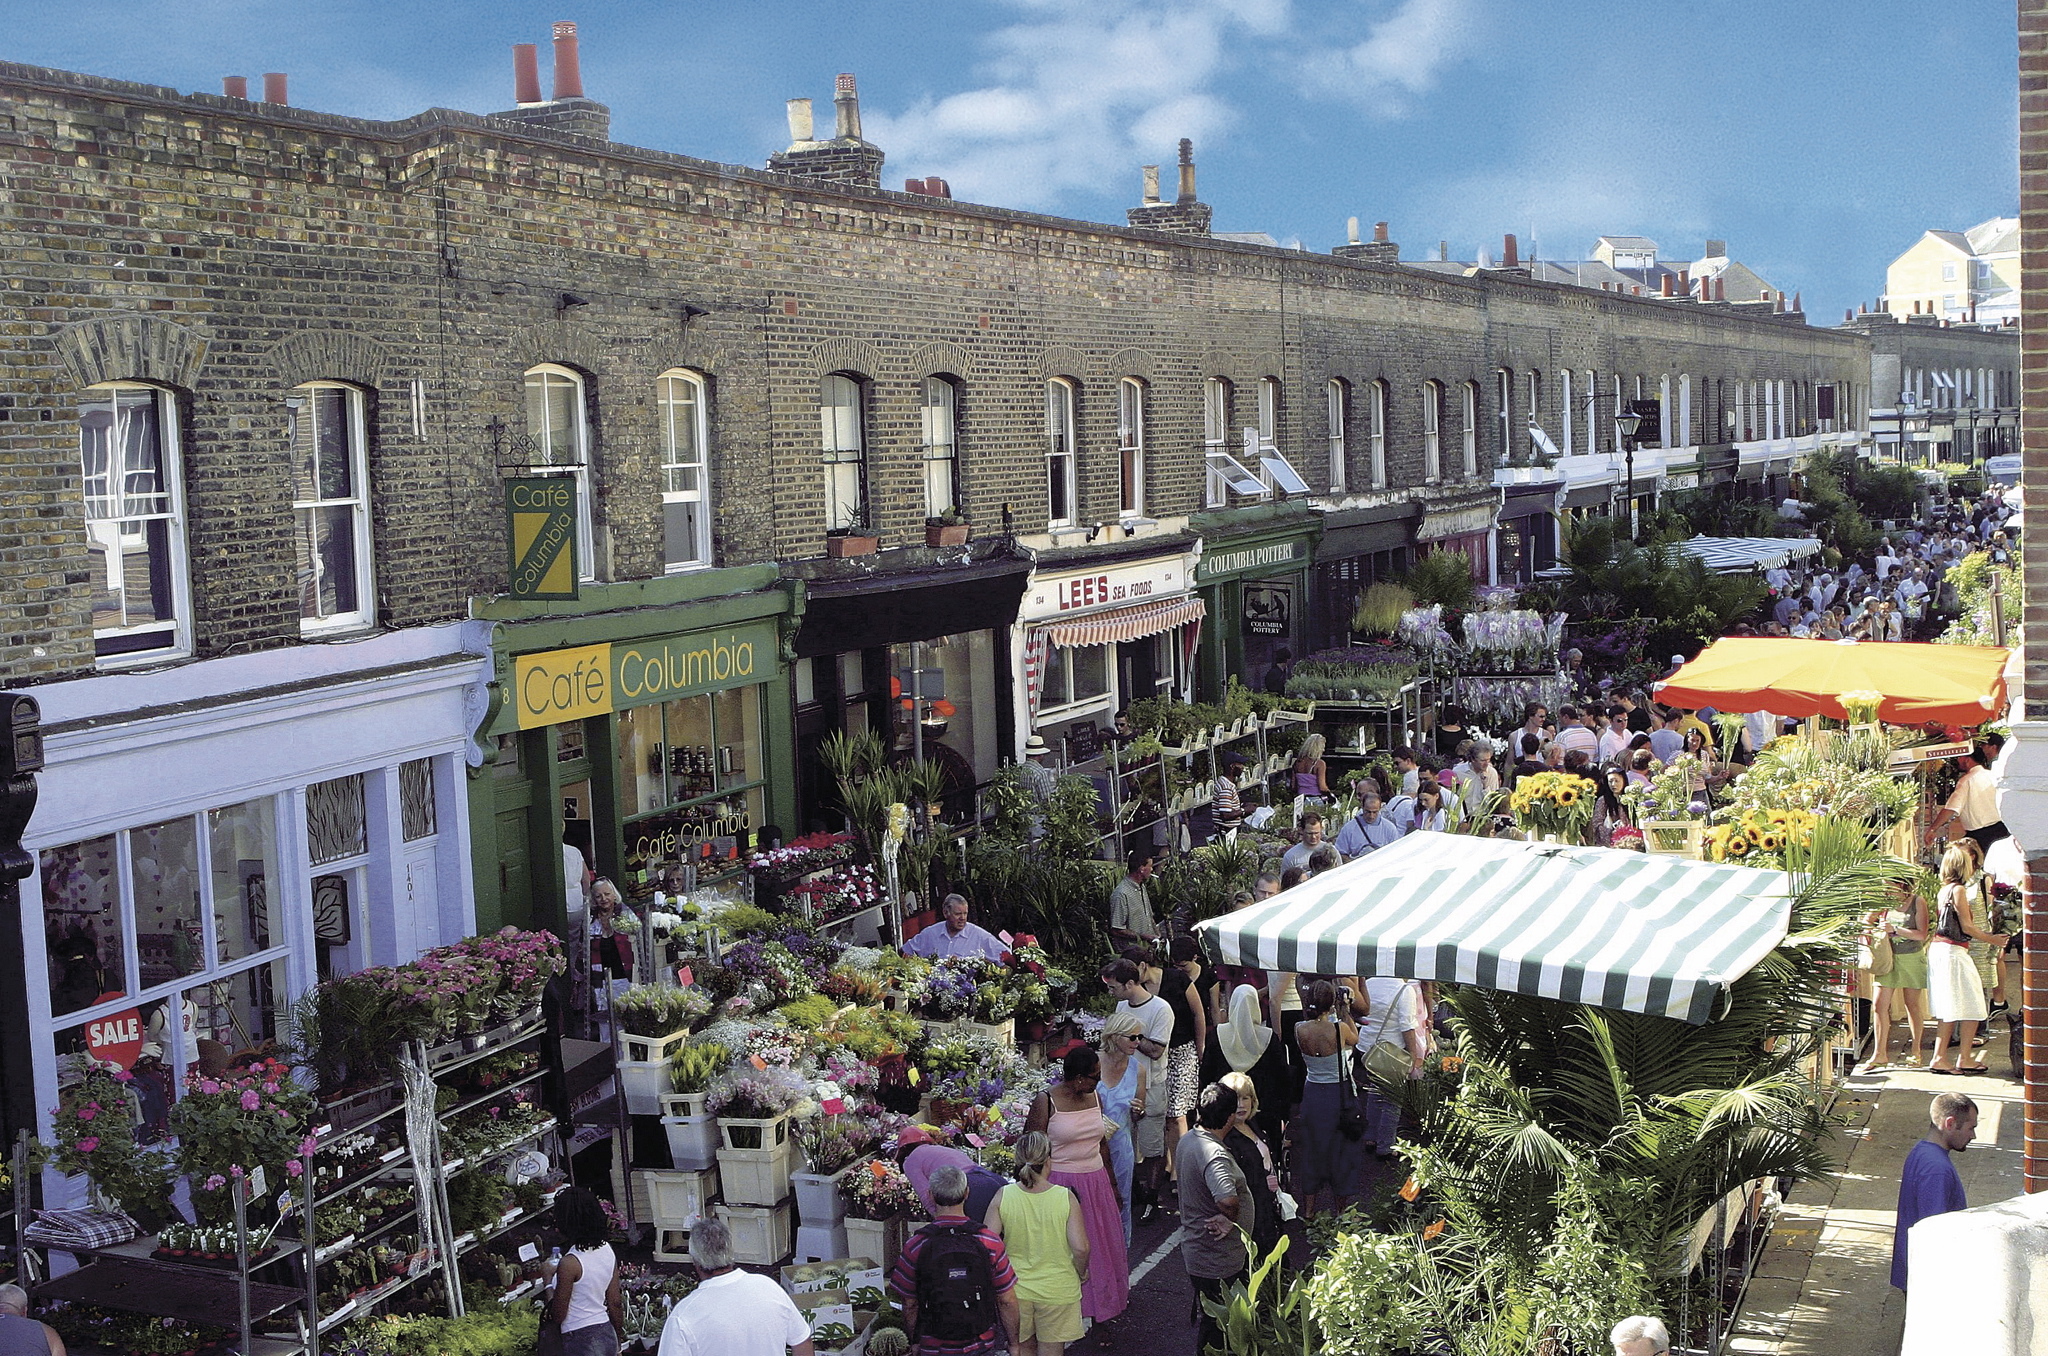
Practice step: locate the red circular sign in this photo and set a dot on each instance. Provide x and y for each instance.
(116, 1039)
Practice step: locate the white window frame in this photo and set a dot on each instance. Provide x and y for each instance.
(1377, 413)
(1685, 409)
(1535, 411)
(676, 462)
(1060, 455)
(1269, 427)
(574, 459)
(1432, 431)
(1215, 441)
(365, 613)
(939, 422)
(1504, 393)
(1564, 406)
(1664, 410)
(842, 443)
(1339, 397)
(1130, 445)
(170, 453)
(1592, 412)
(1469, 434)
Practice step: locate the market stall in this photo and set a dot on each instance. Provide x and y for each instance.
(1950, 685)
(1613, 929)
(1731, 555)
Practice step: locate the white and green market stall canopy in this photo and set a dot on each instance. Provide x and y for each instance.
(1615, 929)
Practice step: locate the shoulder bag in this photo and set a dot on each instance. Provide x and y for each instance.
(1880, 950)
(1350, 1103)
(1380, 1063)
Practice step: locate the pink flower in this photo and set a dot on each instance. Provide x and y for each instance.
(123, 1076)
(209, 1087)
(293, 1167)
(215, 1182)
(250, 1101)
(88, 1144)
(86, 1113)
(308, 1144)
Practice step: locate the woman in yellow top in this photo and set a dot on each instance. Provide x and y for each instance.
(1040, 1225)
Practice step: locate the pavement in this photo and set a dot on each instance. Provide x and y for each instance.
(1823, 1286)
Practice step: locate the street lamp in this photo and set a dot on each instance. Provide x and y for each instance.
(1626, 422)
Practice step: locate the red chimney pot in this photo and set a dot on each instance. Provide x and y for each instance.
(914, 186)
(568, 71)
(1510, 256)
(1379, 232)
(525, 73)
(274, 88)
(1670, 285)
(235, 86)
(938, 187)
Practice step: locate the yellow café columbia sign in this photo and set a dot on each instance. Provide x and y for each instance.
(592, 680)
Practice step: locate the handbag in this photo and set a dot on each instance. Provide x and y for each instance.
(1350, 1106)
(1382, 1064)
(1881, 957)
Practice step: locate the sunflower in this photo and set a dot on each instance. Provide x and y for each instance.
(1769, 842)
(1567, 795)
(1738, 845)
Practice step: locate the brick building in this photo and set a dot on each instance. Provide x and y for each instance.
(1963, 380)
(267, 373)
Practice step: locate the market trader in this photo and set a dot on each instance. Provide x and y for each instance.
(955, 937)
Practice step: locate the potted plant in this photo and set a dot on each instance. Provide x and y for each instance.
(950, 528)
(831, 1145)
(754, 1106)
(879, 1201)
(851, 540)
(654, 1021)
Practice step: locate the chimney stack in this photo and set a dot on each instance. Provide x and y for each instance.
(1510, 253)
(1848, 316)
(1351, 231)
(1796, 307)
(1379, 249)
(235, 86)
(846, 108)
(1187, 171)
(1670, 285)
(525, 74)
(1185, 215)
(1151, 184)
(1379, 232)
(1720, 289)
(1443, 251)
(274, 88)
(800, 124)
(568, 70)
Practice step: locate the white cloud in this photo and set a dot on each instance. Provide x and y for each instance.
(1401, 55)
(1079, 93)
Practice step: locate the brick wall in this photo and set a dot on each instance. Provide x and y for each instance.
(252, 247)
(2033, 48)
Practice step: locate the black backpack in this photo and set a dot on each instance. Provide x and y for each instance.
(956, 1283)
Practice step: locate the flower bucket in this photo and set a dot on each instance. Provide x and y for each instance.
(818, 1203)
(1003, 1033)
(650, 1049)
(760, 1233)
(644, 1085)
(756, 1176)
(692, 1141)
(741, 1132)
(683, 1103)
(879, 1239)
(677, 1199)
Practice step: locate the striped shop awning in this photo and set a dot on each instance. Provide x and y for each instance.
(1728, 555)
(1602, 926)
(1127, 623)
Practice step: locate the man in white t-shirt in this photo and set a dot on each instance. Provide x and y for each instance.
(731, 1312)
(1120, 977)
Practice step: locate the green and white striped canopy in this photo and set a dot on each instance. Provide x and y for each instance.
(1601, 926)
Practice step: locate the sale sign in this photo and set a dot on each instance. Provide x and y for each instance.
(116, 1040)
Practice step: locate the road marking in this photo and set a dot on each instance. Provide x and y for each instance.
(1158, 1255)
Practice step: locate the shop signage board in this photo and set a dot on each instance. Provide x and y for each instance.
(676, 834)
(1265, 556)
(594, 680)
(116, 1040)
(1268, 609)
(1052, 596)
(540, 520)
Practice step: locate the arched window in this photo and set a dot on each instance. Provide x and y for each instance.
(1339, 397)
(1061, 491)
(1215, 441)
(1432, 426)
(685, 471)
(842, 431)
(135, 522)
(1130, 444)
(1469, 427)
(324, 427)
(1664, 410)
(557, 421)
(941, 406)
(1378, 417)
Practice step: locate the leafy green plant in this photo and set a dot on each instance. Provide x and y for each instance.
(476, 1198)
(692, 1067)
(1442, 576)
(660, 1009)
(1380, 607)
(1361, 1294)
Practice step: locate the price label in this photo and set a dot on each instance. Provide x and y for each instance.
(284, 1204)
(686, 977)
(529, 1252)
(912, 1076)
(259, 1185)
(1004, 937)
(757, 1061)
(975, 1140)
(833, 1106)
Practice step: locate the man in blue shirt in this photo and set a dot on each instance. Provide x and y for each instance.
(1368, 830)
(954, 937)
(1930, 1184)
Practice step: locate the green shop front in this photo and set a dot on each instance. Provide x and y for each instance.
(645, 726)
(1253, 577)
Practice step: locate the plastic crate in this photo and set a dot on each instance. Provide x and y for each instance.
(671, 1245)
(692, 1141)
(760, 1233)
(818, 1200)
(742, 1132)
(820, 1242)
(756, 1176)
(673, 1198)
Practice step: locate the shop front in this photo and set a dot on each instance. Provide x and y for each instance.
(1098, 631)
(1466, 529)
(1253, 582)
(649, 734)
(1359, 547)
(913, 646)
(1526, 543)
(265, 822)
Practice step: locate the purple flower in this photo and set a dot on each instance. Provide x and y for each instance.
(250, 1101)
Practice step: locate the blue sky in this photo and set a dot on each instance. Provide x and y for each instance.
(1818, 137)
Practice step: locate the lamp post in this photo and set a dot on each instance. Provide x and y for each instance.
(1627, 421)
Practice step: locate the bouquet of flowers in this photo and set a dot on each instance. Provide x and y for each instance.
(1422, 630)
(1558, 803)
(867, 1033)
(660, 1009)
(830, 1143)
(746, 1093)
(952, 988)
(767, 972)
(879, 1190)
(260, 1116)
(1861, 706)
(1509, 641)
(1669, 794)
(1499, 700)
(1761, 838)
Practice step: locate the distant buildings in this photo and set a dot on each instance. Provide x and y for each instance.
(1966, 277)
(1630, 265)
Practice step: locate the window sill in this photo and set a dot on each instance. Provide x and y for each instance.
(144, 659)
(691, 568)
(353, 628)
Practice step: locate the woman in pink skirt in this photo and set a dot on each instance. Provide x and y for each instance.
(1070, 1114)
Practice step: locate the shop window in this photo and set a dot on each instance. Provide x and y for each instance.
(1468, 426)
(1379, 435)
(571, 741)
(946, 704)
(336, 822)
(130, 914)
(416, 809)
(1130, 444)
(842, 429)
(1432, 431)
(558, 425)
(325, 430)
(1215, 441)
(1060, 489)
(1075, 675)
(134, 522)
(691, 774)
(685, 471)
(1339, 398)
(941, 447)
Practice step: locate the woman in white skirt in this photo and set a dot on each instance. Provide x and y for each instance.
(1954, 992)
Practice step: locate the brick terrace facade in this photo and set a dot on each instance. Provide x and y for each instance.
(2031, 734)
(228, 251)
